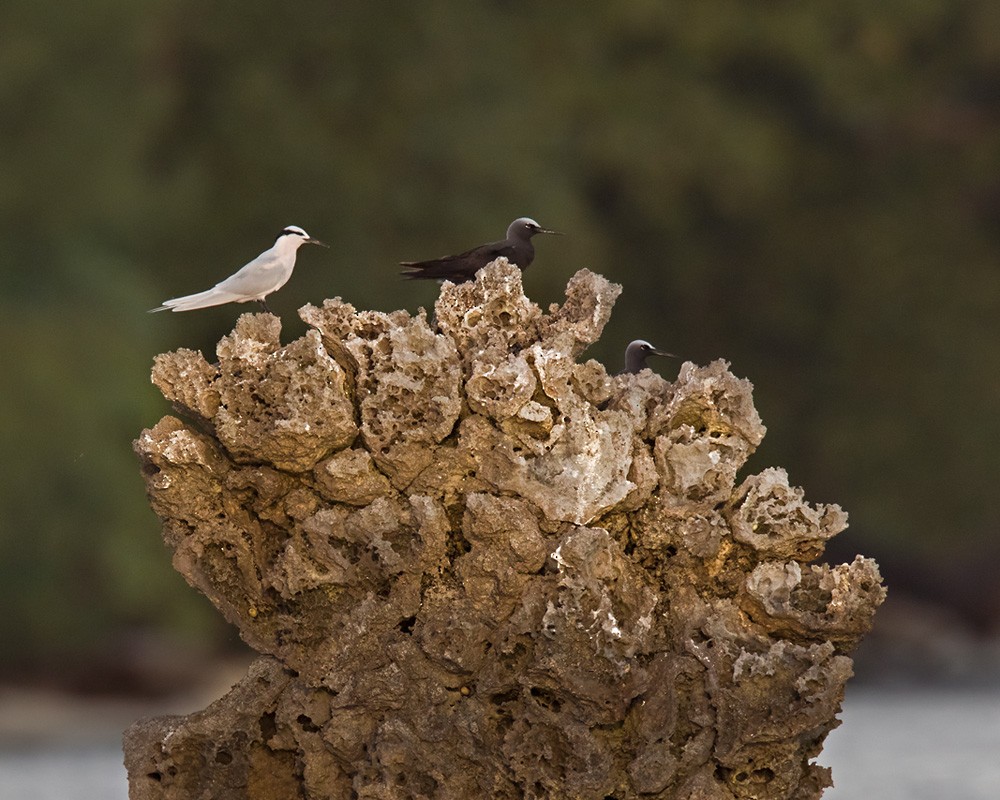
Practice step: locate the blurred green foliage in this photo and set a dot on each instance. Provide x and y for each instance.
(808, 189)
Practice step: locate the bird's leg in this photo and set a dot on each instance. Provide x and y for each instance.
(263, 305)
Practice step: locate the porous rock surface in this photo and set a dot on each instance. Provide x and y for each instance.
(476, 568)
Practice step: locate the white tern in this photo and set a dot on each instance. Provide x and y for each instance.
(255, 281)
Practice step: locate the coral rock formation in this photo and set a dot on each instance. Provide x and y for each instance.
(475, 567)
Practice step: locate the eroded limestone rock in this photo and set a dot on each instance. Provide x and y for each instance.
(475, 567)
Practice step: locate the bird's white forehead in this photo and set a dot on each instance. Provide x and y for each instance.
(526, 221)
(640, 343)
(294, 229)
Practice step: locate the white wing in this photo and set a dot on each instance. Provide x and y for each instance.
(256, 280)
(260, 277)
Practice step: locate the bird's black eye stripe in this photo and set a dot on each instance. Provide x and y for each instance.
(288, 231)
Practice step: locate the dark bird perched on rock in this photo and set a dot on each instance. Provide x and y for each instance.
(516, 248)
(636, 354)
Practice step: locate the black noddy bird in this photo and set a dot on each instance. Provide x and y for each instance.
(516, 248)
(636, 354)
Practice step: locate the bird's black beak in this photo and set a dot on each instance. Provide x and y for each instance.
(554, 233)
(317, 241)
(661, 353)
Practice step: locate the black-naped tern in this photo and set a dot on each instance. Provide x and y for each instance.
(265, 274)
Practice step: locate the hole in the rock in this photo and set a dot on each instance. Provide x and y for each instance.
(503, 723)
(268, 726)
(406, 625)
(223, 757)
(504, 697)
(306, 723)
(172, 771)
(670, 551)
(424, 785)
(763, 775)
(156, 776)
(546, 698)
(291, 673)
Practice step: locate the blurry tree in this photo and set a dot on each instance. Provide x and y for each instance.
(809, 189)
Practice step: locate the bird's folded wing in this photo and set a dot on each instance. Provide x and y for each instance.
(465, 264)
(260, 275)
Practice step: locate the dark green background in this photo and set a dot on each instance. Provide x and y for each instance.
(807, 189)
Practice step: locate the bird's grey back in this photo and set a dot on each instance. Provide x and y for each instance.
(260, 275)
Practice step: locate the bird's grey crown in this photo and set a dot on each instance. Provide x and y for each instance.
(636, 353)
(522, 227)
